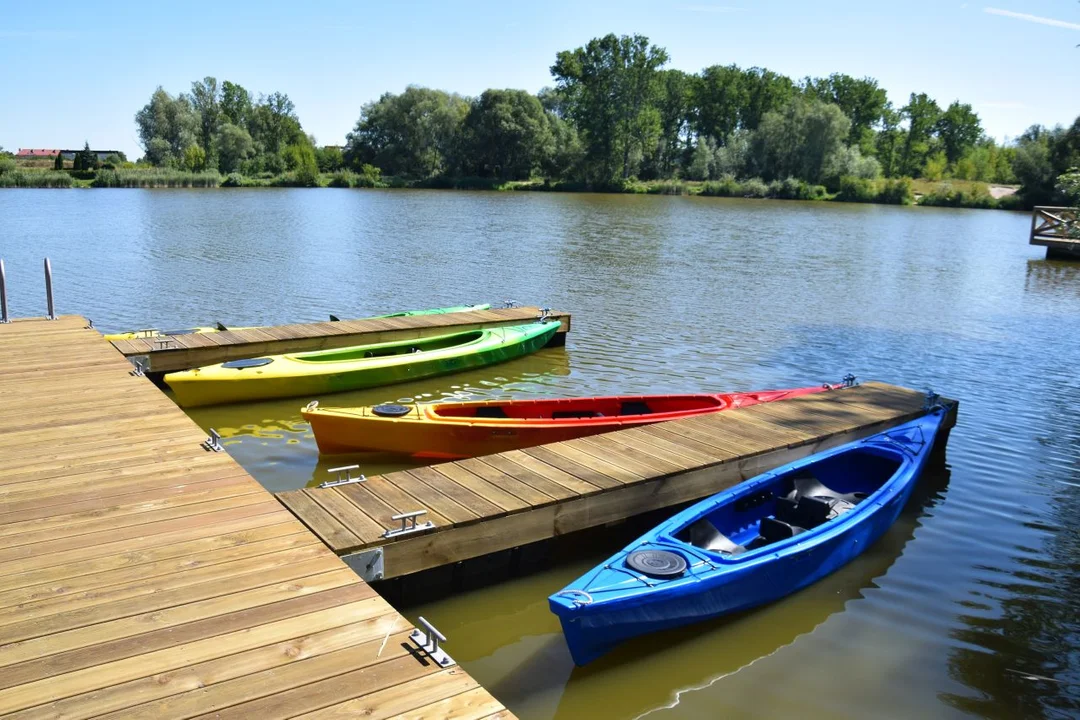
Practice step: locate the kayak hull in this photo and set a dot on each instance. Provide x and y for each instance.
(468, 429)
(357, 368)
(615, 602)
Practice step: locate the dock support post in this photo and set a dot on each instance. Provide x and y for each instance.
(3, 294)
(48, 289)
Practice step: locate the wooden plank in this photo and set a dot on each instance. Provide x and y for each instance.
(511, 484)
(582, 465)
(348, 514)
(422, 694)
(461, 495)
(329, 529)
(488, 491)
(427, 497)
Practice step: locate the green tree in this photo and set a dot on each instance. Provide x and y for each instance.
(234, 146)
(274, 124)
(206, 102)
(1068, 185)
(194, 158)
(719, 95)
(58, 161)
(959, 129)
(861, 100)
(1033, 164)
(804, 139)
(300, 158)
(329, 158)
(890, 141)
(87, 159)
(414, 134)
(568, 154)
(922, 114)
(506, 135)
(675, 107)
(236, 106)
(611, 87)
(763, 91)
(166, 126)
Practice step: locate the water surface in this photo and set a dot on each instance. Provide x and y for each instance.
(969, 606)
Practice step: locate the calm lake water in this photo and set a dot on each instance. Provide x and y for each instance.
(970, 606)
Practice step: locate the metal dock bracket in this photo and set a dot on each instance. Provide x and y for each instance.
(213, 443)
(48, 289)
(368, 564)
(408, 524)
(142, 364)
(3, 295)
(429, 643)
(344, 476)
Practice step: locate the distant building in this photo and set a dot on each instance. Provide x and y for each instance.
(48, 153)
(35, 153)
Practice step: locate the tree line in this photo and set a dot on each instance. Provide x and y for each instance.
(615, 114)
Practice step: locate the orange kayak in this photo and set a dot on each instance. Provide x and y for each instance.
(468, 429)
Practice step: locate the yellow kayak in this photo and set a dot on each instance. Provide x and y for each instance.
(357, 367)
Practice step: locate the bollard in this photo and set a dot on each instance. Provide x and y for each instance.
(48, 289)
(3, 294)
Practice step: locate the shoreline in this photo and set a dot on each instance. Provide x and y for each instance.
(897, 191)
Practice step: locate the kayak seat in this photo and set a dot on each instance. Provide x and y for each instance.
(807, 485)
(703, 534)
(773, 530)
(490, 411)
(806, 512)
(634, 407)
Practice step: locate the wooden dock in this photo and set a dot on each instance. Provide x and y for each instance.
(1058, 230)
(142, 575)
(181, 352)
(484, 505)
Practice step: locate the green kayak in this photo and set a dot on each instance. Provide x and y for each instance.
(354, 368)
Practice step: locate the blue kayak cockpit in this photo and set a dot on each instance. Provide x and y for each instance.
(790, 503)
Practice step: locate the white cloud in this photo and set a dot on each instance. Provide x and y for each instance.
(1033, 18)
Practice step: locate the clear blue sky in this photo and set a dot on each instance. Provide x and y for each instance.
(75, 71)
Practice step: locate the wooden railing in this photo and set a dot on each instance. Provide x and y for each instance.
(1055, 225)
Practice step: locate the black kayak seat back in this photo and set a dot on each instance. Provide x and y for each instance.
(703, 534)
(806, 512)
(634, 407)
(490, 411)
(773, 530)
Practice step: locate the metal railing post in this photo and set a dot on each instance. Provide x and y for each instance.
(3, 294)
(48, 289)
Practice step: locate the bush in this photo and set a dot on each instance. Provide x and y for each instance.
(343, 179)
(1011, 202)
(945, 195)
(161, 178)
(795, 189)
(854, 189)
(896, 192)
(21, 179)
(725, 187)
(755, 188)
(233, 179)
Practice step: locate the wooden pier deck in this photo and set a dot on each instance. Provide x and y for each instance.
(1058, 230)
(141, 575)
(484, 505)
(181, 352)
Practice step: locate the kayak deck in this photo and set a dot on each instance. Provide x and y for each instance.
(486, 504)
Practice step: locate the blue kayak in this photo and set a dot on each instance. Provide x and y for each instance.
(757, 542)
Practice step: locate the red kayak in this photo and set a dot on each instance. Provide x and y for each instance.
(468, 429)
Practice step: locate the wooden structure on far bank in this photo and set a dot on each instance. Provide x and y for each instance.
(1058, 230)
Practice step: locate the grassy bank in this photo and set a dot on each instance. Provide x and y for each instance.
(901, 191)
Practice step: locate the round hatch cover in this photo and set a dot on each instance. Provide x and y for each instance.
(248, 363)
(390, 410)
(657, 563)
